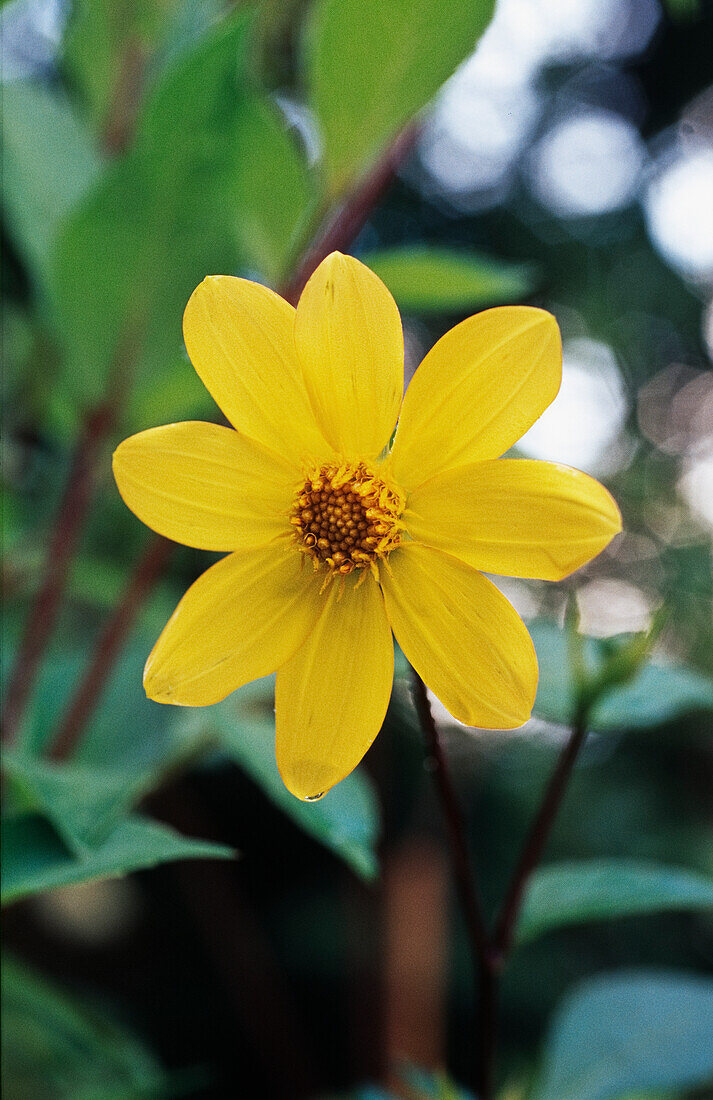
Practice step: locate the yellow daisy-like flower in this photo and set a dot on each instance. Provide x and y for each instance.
(334, 541)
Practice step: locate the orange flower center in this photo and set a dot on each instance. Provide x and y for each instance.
(346, 518)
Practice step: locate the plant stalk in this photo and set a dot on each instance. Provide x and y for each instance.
(539, 834)
(484, 973)
(343, 227)
(63, 543)
(147, 571)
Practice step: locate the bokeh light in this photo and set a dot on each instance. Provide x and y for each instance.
(580, 427)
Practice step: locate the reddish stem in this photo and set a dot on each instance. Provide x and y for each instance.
(343, 227)
(538, 835)
(72, 513)
(485, 964)
(120, 121)
(467, 888)
(146, 572)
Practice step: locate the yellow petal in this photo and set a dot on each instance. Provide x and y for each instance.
(239, 336)
(331, 698)
(205, 485)
(520, 518)
(349, 338)
(466, 642)
(243, 618)
(477, 391)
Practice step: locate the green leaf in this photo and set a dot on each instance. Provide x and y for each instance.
(105, 43)
(602, 889)
(346, 820)
(274, 196)
(56, 1045)
(84, 804)
(48, 165)
(372, 66)
(619, 1033)
(424, 279)
(657, 694)
(162, 218)
(35, 859)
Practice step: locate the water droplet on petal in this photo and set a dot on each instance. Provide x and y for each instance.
(314, 797)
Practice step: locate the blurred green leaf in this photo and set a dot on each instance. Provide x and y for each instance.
(626, 1031)
(602, 889)
(372, 66)
(164, 217)
(273, 192)
(429, 1085)
(127, 732)
(35, 859)
(84, 804)
(56, 1045)
(346, 820)
(48, 165)
(424, 279)
(683, 9)
(104, 48)
(176, 387)
(657, 694)
(214, 179)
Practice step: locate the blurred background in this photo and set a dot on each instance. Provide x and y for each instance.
(568, 162)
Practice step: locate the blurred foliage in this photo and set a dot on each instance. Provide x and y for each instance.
(346, 819)
(56, 1045)
(624, 1032)
(361, 89)
(652, 693)
(593, 890)
(178, 139)
(35, 859)
(432, 280)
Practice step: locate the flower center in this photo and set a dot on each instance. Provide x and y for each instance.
(346, 518)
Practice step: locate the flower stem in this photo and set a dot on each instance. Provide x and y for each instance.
(146, 572)
(471, 902)
(490, 953)
(68, 525)
(344, 225)
(64, 539)
(539, 834)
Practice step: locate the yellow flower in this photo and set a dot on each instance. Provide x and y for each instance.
(334, 541)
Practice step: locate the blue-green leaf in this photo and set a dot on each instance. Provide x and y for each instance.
(372, 66)
(48, 165)
(636, 1030)
(35, 859)
(424, 279)
(602, 889)
(84, 804)
(656, 694)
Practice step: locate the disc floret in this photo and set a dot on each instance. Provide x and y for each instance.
(346, 517)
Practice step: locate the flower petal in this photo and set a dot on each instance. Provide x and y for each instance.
(477, 391)
(331, 698)
(462, 636)
(519, 518)
(241, 619)
(240, 338)
(205, 485)
(350, 341)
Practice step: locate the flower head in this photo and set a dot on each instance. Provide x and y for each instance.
(334, 540)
